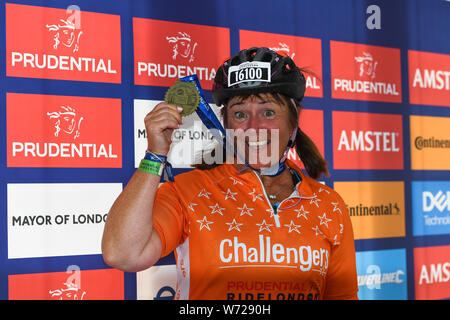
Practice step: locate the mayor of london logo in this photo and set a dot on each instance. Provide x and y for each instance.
(183, 46)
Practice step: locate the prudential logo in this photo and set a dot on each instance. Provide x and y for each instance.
(431, 207)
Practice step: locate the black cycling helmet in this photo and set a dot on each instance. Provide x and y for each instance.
(258, 70)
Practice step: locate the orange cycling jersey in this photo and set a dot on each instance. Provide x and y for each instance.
(231, 244)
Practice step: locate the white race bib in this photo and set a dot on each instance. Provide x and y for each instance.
(253, 73)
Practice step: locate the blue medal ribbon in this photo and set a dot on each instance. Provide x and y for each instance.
(167, 172)
(204, 110)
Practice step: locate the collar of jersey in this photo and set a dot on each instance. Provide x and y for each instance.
(249, 178)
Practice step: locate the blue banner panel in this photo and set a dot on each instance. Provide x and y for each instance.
(431, 207)
(382, 274)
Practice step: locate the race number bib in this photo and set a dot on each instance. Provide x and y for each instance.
(250, 73)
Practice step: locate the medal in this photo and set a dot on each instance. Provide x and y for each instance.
(185, 95)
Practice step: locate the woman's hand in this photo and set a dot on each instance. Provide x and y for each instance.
(159, 125)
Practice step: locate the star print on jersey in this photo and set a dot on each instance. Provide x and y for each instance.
(255, 196)
(342, 228)
(245, 210)
(264, 226)
(234, 225)
(191, 206)
(216, 209)
(315, 200)
(204, 193)
(324, 220)
(317, 230)
(204, 223)
(271, 211)
(322, 271)
(324, 190)
(235, 181)
(229, 194)
(335, 241)
(335, 204)
(301, 212)
(292, 227)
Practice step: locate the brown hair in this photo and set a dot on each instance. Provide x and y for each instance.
(306, 149)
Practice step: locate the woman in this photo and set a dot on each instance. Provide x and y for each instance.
(240, 230)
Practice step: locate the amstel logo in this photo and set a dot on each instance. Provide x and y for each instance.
(165, 51)
(306, 53)
(365, 72)
(432, 272)
(429, 78)
(367, 141)
(62, 44)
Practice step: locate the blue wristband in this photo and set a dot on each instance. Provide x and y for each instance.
(155, 157)
(168, 174)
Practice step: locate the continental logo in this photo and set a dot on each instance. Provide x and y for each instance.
(62, 44)
(294, 47)
(364, 72)
(429, 78)
(367, 141)
(387, 209)
(177, 50)
(430, 143)
(376, 209)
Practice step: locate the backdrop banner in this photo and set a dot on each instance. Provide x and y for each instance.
(77, 80)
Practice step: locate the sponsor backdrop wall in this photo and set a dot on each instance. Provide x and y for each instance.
(77, 79)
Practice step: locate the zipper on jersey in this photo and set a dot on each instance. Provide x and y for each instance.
(276, 217)
(274, 209)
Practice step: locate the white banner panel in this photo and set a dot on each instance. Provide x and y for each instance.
(187, 141)
(157, 283)
(58, 219)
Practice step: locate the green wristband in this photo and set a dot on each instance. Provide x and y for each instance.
(151, 167)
